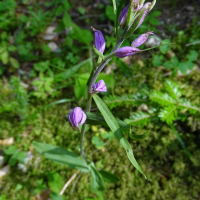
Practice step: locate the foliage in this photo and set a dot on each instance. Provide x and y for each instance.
(41, 84)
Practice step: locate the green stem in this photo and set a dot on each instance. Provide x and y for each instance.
(89, 102)
(89, 99)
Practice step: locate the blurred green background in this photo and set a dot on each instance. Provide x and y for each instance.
(46, 57)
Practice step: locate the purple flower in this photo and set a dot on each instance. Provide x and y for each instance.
(77, 117)
(142, 39)
(100, 86)
(123, 15)
(100, 43)
(126, 51)
(142, 19)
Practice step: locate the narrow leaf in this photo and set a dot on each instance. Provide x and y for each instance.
(180, 140)
(71, 71)
(115, 128)
(98, 53)
(97, 119)
(97, 184)
(61, 156)
(108, 177)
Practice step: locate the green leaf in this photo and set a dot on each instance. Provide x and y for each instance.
(138, 118)
(14, 62)
(115, 128)
(108, 177)
(61, 156)
(56, 196)
(11, 150)
(61, 101)
(55, 181)
(68, 73)
(80, 85)
(97, 184)
(139, 137)
(161, 98)
(180, 140)
(158, 60)
(67, 20)
(98, 53)
(97, 142)
(155, 13)
(193, 55)
(168, 114)
(135, 100)
(173, 89)
(97, 119)
(183, 68)
(5, 57)
(165, 48)
(154, 21)
(110, 13)
(21, 156)
(81, 10)
(12, 48)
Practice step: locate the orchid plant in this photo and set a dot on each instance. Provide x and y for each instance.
(131, 17)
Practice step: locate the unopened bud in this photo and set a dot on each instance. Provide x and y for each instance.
(123, 15)
(77, 117)
(126, 51)
(152, 5)
(141, 39)
(100, 43)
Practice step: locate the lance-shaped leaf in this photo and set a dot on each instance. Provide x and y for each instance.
(99, 53)
(97, 184)
(108, 177)
(61, 156)
(98, 119)
(115, 128)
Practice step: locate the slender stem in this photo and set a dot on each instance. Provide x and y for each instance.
(103, 64)
(89, 99)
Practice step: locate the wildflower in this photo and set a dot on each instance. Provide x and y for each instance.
(142, 39)
(123, 15)
(77, 117)
(126, 51)
(100, 43)
(100, 86)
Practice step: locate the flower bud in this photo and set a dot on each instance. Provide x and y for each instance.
(126, 51)
(123, 15)
(99, 40)
(142, 39)
(100, 86)
(77, 117)
(152, 5)
(142, 2)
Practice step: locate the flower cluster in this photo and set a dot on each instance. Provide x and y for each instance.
(138, 11)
